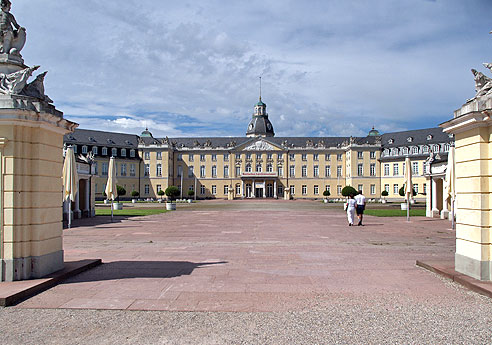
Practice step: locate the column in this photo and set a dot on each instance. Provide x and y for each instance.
(76, 210)
(87, 197)
(264, 189)
(445, 211)
(243, 192)
(428, 199)
(253, 192)
(435, 210)
(275, 189)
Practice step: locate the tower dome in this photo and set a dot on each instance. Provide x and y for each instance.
(374, 133)
(260, 125)
(146, 134)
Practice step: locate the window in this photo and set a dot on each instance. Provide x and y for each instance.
(214, 190)
(74, 148)
(105, 169)
(270, 156)
(316, 190)
(238, 189)
(292, 171)
(386, 170)
(248, 167)
(339, 157)
(405, 150)
(147, 170)
(248, 155)
(214, 158)
(180, 156)
(202, 190)
(387, 188)
(94, 150)
(226, 157)
(395, 189)
(114, 152)
(147, 155)
(238, 156)
(238, 171)
(280, 170)
(436, 148)
(372, 155)
(84, 149)
(191, 171)
(339, 190)
(259, 156)
(415, 150)
(292, 190)
(304, 157)
(132, 170)
(360, 155)
(415, 168)
(360, 187)
(269, 168)
(226, 171)
(226, 189)
(214, 170)
(425, 188)
(372, 169)
(95, 165)
(328, 188)
(316, 157)
(316, 171)
(159, 188)
(123, 169)
(395, 169)
(416, 188)
(446, 147)
(360, 169)
(159, 156)
(386, 152)
(191, 157)
(373, 189)
(258, 168)
(292, 157)
(202, 158)
(327, 171)
(146, 189)
(304, 171)
(425, 149)
(123, 152)
(339, 171)
(104, 151)
(132, 153)
(327, 157)
(394, 152)
(159, 170)
(280, 190)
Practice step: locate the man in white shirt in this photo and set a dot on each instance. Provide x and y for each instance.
(361, 206)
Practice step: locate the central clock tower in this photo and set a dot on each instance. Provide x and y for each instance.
(260, 125)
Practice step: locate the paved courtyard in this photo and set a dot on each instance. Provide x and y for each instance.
(256, 272)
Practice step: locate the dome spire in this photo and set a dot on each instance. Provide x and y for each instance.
(260, 88)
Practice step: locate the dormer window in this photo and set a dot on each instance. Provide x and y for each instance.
(436, 148)
(128, 142)
(114, 152)
(104, 151)
(132, 153)
(391, 141)
(430, 137)
(84, 149)
(91, 139)
(123, 152)
(425, 149)
(409, 139)
(415, 150)
(94, 150)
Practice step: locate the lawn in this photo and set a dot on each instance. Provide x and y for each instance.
(395, 213)
(131, 212)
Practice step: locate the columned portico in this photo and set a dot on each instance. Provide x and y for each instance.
(263, 185)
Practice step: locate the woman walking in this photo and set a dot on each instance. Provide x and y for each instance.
(351, 204)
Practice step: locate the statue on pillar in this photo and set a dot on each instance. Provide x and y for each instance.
(12, 35)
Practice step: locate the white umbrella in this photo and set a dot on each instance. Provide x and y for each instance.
(408, 185)
(70, 179)
(451, 181)
(111, 191)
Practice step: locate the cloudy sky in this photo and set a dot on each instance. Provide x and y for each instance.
(191, 68)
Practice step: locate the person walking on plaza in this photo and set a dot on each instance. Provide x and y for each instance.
(361, 206)
(351, 204)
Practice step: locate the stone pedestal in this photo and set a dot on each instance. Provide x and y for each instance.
(472, 127)
(31, 161)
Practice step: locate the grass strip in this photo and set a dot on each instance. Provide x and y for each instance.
(139, 212)
(395, 213)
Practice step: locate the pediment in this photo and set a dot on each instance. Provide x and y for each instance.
(260, 145)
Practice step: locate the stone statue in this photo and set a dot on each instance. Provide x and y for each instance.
(14, 83)
(36, 89)
(12, 35)
(483, 84)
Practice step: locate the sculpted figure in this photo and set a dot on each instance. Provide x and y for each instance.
(36, 88)
(14, 83)
(483, 84)
(12, 35)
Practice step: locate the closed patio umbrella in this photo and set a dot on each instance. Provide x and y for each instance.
(451, 181)
(111, 192)
(70, 179)
(408, 185)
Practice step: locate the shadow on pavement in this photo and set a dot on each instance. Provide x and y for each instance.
(140, 269)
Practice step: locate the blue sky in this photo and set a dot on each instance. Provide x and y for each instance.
(329, 68)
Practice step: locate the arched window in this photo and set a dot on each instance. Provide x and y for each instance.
(415, 150)
(248, 167)
(114, 152)
(104, 151)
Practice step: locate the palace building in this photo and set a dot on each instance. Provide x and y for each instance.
(261, 165)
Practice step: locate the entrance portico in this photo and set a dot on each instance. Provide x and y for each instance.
(259, 185)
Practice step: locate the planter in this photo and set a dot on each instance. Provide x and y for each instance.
(325, 201)
(106, 201)
(190, 201)
(117, 206)
(170, 206)
(403, 205)
(413, 202)
(134, 201)
(383, 201)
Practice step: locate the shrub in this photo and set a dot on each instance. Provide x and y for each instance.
(384, 193)
(121, 192)
(172, 192)
(135, 194)
(326, 193)
(191, 193)
(347, 190)
(402, 191)
(161, 193)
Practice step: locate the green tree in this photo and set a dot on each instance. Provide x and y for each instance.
(121, 192)
(402, 191)
(191, 193)
(384, 193)
(161, 193)
(347, 190)
(172, 192)
(326, 193)
(135, 194)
